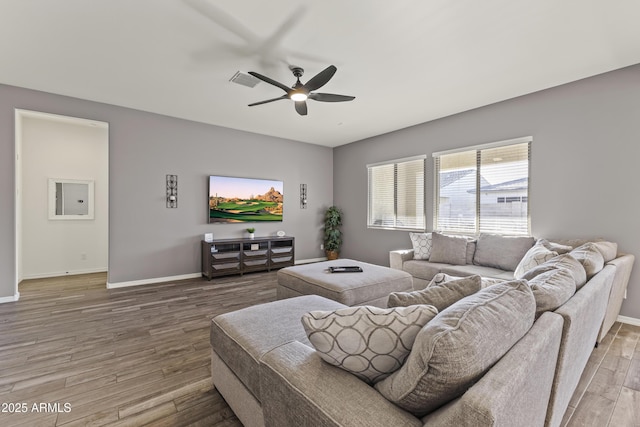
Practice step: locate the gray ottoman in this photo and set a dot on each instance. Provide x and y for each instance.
(371, 287)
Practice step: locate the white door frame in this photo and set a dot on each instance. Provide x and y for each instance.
(19, 115)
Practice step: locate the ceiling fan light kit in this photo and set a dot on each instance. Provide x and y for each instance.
(299, 93)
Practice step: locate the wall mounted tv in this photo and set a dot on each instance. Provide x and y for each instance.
(234, 199)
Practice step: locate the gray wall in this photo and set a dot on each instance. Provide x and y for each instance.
(147, 240)
(584, 170)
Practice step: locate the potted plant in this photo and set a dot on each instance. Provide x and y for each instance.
(251, 232)
(332, 233)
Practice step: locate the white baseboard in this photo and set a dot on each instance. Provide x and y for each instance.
(629, 320)
(184, 276)
(310, 260)
(153, 280)
(14, 298)
(63, 273)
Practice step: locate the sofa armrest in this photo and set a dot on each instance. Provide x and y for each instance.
(398, 257)
(583, 315)
(300, 389)
(516, 389)
(623, 265)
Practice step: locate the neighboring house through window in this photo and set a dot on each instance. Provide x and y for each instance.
(484, 188)
(396, 194)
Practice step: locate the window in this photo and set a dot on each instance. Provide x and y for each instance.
(483, 188)
(396, 194)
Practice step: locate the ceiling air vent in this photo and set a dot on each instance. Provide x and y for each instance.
(244, 79)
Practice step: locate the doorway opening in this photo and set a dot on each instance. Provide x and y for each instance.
(52, 150)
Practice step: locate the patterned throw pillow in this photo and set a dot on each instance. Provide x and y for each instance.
(535, 256)
(369, 342)
(440, 294)
(422, 245)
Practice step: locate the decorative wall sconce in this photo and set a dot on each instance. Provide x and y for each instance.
(303, 196)
(172, 191)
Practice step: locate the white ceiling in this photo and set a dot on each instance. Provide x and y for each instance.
(406, 61)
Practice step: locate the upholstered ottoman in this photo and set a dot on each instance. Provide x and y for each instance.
(370, 287)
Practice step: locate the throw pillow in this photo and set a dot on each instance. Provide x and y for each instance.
(590, 258)
(609, 250)
(551, 289)
(535, 256)
(369, 342)
(555, 247)
(561, 261)
(448, 249)
(421, 245)
(440, 295)
(493, 250)
(459, 346)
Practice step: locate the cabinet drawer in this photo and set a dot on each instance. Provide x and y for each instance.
(256, 263)
(225, 255)
(282, 250)
(226, 266)
(255, 254)
(282, 260)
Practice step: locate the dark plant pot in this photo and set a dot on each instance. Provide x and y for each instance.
(332, 255)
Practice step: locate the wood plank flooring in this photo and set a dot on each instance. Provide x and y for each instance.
(85, 355)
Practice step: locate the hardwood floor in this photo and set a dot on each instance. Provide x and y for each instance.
(140, 356)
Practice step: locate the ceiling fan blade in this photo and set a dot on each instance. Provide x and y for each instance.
(270, 81)
(321, 78)
(330, 97)
(301, 107)
(223, 19)
(269, 100)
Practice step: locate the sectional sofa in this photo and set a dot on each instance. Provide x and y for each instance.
(267, 369)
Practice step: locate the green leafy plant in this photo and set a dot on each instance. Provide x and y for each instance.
(332, 232)
(251, 230)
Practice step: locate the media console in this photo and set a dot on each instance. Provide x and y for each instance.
(237, 256)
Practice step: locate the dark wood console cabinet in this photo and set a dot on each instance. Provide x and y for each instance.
(237, 256)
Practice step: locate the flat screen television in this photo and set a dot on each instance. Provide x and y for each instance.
(234, 199)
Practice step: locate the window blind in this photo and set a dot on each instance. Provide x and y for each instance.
(483, 189)
(396, 196)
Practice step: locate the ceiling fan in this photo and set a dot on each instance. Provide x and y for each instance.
(299, 92)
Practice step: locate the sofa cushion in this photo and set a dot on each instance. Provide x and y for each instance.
(423, 269)
(448, 249)
(551, 289)
(590, 257)
(370, 342)
(535, 256)
(493, 250)
(561, 261)
(440, 294)
(471, 250)
(241, 337)
(421, 243)
(459, 345)
(468, 270)
(484, 281)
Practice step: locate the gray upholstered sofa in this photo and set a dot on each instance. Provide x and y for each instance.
(498, 257)
(265, 367)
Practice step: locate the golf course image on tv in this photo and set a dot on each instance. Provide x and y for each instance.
(234, 199)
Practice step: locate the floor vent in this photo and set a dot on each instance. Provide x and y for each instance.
(244, 79)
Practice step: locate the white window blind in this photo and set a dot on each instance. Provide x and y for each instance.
(396, 194)
(483, 189)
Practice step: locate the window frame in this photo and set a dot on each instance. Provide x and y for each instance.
(478, 149)
(395, 163)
